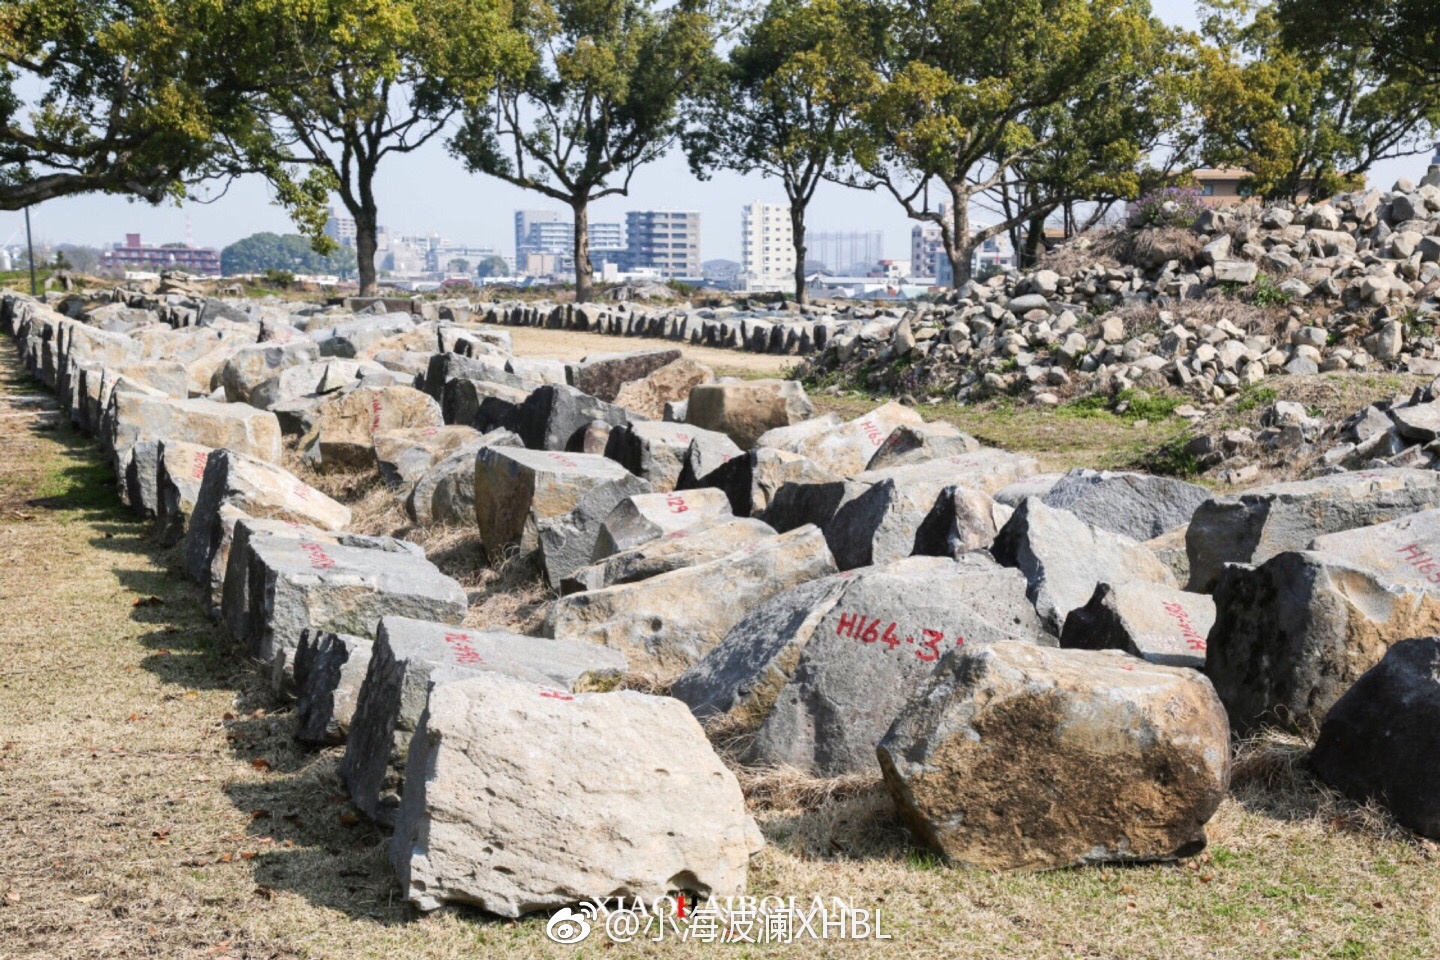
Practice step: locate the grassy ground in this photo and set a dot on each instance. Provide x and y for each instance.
(153, 804)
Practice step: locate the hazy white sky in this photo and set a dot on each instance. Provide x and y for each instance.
(429, 191)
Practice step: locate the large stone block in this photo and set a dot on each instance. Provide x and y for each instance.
(1135, 505)
(1018, 757)
(329, 671)
(658, 451)
(406, 656)
(820, 672)
(1254, 526)
(1380, 739)
(515, 488)
(299, 583)
(1293, 634)
(673, 551)
(446, 492)
(250, 366)
(744, 411)
(135, 416)
(640, 519)
(311, 380)
(753, 480)
(847, 449)
(636, 801)
(669, 384)
(603, 374)
(253, 488)
(1159, 624)
(911, 443)
(404, 456)
(1064, 559)
(342, 436)
(568, 541)
(555, 417)
(667, 622)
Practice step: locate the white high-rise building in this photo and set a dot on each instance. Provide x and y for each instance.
(767, 246)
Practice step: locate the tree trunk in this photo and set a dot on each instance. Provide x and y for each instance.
(1034, 236)
(583, 278)
(367, 227)
(959, 244)
(366, 231)
(797, 230)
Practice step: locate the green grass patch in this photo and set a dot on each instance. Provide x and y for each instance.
(1127, 405)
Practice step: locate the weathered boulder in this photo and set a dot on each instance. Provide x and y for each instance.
(568, 541)
(1064, 558)
(1156, 623)
(847, 450)
(963, 519)
(554, 417)
(135, 416)
(446, 492)
(343, 434)
(353, 338)
(252, 488)
(184, 463)
(1014, 756)
(407, 655)
(751, 481)
(638, 801)
(658, 451)
(640, 519)
(911, 443)
(1254, 526)
(250, 366)
(667, 622)
(820, 672)
(603, 374)
(310, 380)
(299, 583)
(671, 383)
(515, 488)
(329, 670)
(1136, 505)
(673, 551)
(443, 368)
(745, 410)
(1379, 740)
(1293, 634)
(483, 405)
(404, 456)
(1396, 551)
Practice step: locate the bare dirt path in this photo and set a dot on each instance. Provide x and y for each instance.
(152, 804)
(570, 345)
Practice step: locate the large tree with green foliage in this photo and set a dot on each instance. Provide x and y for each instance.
(778, 105)
(348, 83)
(289, 252)
(967, 93)
(1402, 36)
(598, 101)
(112, 96)
(1302, 124)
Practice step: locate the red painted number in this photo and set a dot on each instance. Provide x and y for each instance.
(464, 652)
(857, 626)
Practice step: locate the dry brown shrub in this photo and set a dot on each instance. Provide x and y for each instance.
(1102, 247)
(1156, 245)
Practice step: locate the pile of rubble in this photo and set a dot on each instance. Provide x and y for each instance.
(1044, 669)
(1248, 292)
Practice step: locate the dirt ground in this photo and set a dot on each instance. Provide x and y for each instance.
(153, 804)
(570, 345)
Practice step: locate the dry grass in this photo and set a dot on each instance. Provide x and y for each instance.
(153, 804)
(1103, 247)
(572, 345)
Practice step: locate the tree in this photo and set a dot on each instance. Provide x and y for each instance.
(964, 91)
(1399, 35)
(777, 106)
(112, 96)
(351, 82)
(492, 267)
(458, 265)
(1302, 124)
(598, 101)
(292, 253)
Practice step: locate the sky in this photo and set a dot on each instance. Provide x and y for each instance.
(429, 191)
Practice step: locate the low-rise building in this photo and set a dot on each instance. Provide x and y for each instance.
(135, 255)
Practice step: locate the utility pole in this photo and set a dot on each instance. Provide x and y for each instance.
(30, 245)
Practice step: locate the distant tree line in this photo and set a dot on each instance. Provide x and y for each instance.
(1022, 109)
(290, 253)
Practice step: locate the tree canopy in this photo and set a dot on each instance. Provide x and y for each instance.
(132, 97)
(597, 101)
(1301, 124)
(1403, 36)
(289, 252)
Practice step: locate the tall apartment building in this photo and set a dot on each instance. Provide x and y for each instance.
(767, 246)
(549, 233)
(845, 251)
(340, 229)
(665, 240)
